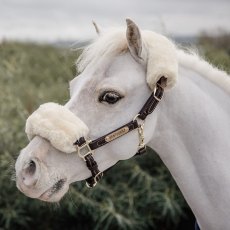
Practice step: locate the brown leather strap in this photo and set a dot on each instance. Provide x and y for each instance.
(114, 135)
(93, 167)
(154, 99)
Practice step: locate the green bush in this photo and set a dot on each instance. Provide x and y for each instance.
(135, 194)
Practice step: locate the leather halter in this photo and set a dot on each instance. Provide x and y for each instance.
(88, 146)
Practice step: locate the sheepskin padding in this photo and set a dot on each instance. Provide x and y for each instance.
(161, 59)
(57, 124)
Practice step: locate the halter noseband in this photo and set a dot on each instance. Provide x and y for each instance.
(85, 148)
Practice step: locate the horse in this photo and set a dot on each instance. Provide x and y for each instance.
(117, 99)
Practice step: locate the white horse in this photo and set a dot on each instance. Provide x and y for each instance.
(189, 129)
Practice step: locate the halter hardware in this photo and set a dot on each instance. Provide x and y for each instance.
(140, 128)
(95, 180)
(88, 146)
(87, 156)
(141, 145)
(155, 93)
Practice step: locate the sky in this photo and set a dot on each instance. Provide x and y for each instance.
(56, 20)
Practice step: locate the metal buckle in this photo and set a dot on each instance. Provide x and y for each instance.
(135, 118)
(154, 92)
(88, 150)
(96, 179)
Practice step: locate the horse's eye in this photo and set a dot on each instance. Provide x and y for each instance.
(110, 97)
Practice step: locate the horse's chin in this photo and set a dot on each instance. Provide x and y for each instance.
(56, 192)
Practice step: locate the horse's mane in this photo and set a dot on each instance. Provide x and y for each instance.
(109, 44)
(114, 42)
(193, 61)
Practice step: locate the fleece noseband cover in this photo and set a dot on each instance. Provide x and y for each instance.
(57, 124)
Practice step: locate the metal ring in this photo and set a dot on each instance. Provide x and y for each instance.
(135, 118)
(154, 93)
(141, 122)
(88, 185)
(96, 178)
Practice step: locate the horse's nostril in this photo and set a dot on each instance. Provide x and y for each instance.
(30, 170)
(29, 174)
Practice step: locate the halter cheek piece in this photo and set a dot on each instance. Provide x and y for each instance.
(85, 148)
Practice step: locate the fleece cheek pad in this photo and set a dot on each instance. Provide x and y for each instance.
(57, 124)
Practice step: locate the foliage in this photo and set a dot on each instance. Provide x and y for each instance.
(217, 49)
(135, 194)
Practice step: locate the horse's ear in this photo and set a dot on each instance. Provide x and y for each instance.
(97, 28)
(134, 40)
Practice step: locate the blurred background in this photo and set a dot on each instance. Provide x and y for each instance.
(38, 41)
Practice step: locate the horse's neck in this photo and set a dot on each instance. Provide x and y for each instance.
(192, 138)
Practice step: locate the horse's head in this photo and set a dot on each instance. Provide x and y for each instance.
(118, 73)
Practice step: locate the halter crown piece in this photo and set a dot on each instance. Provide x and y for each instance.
(61, 127)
